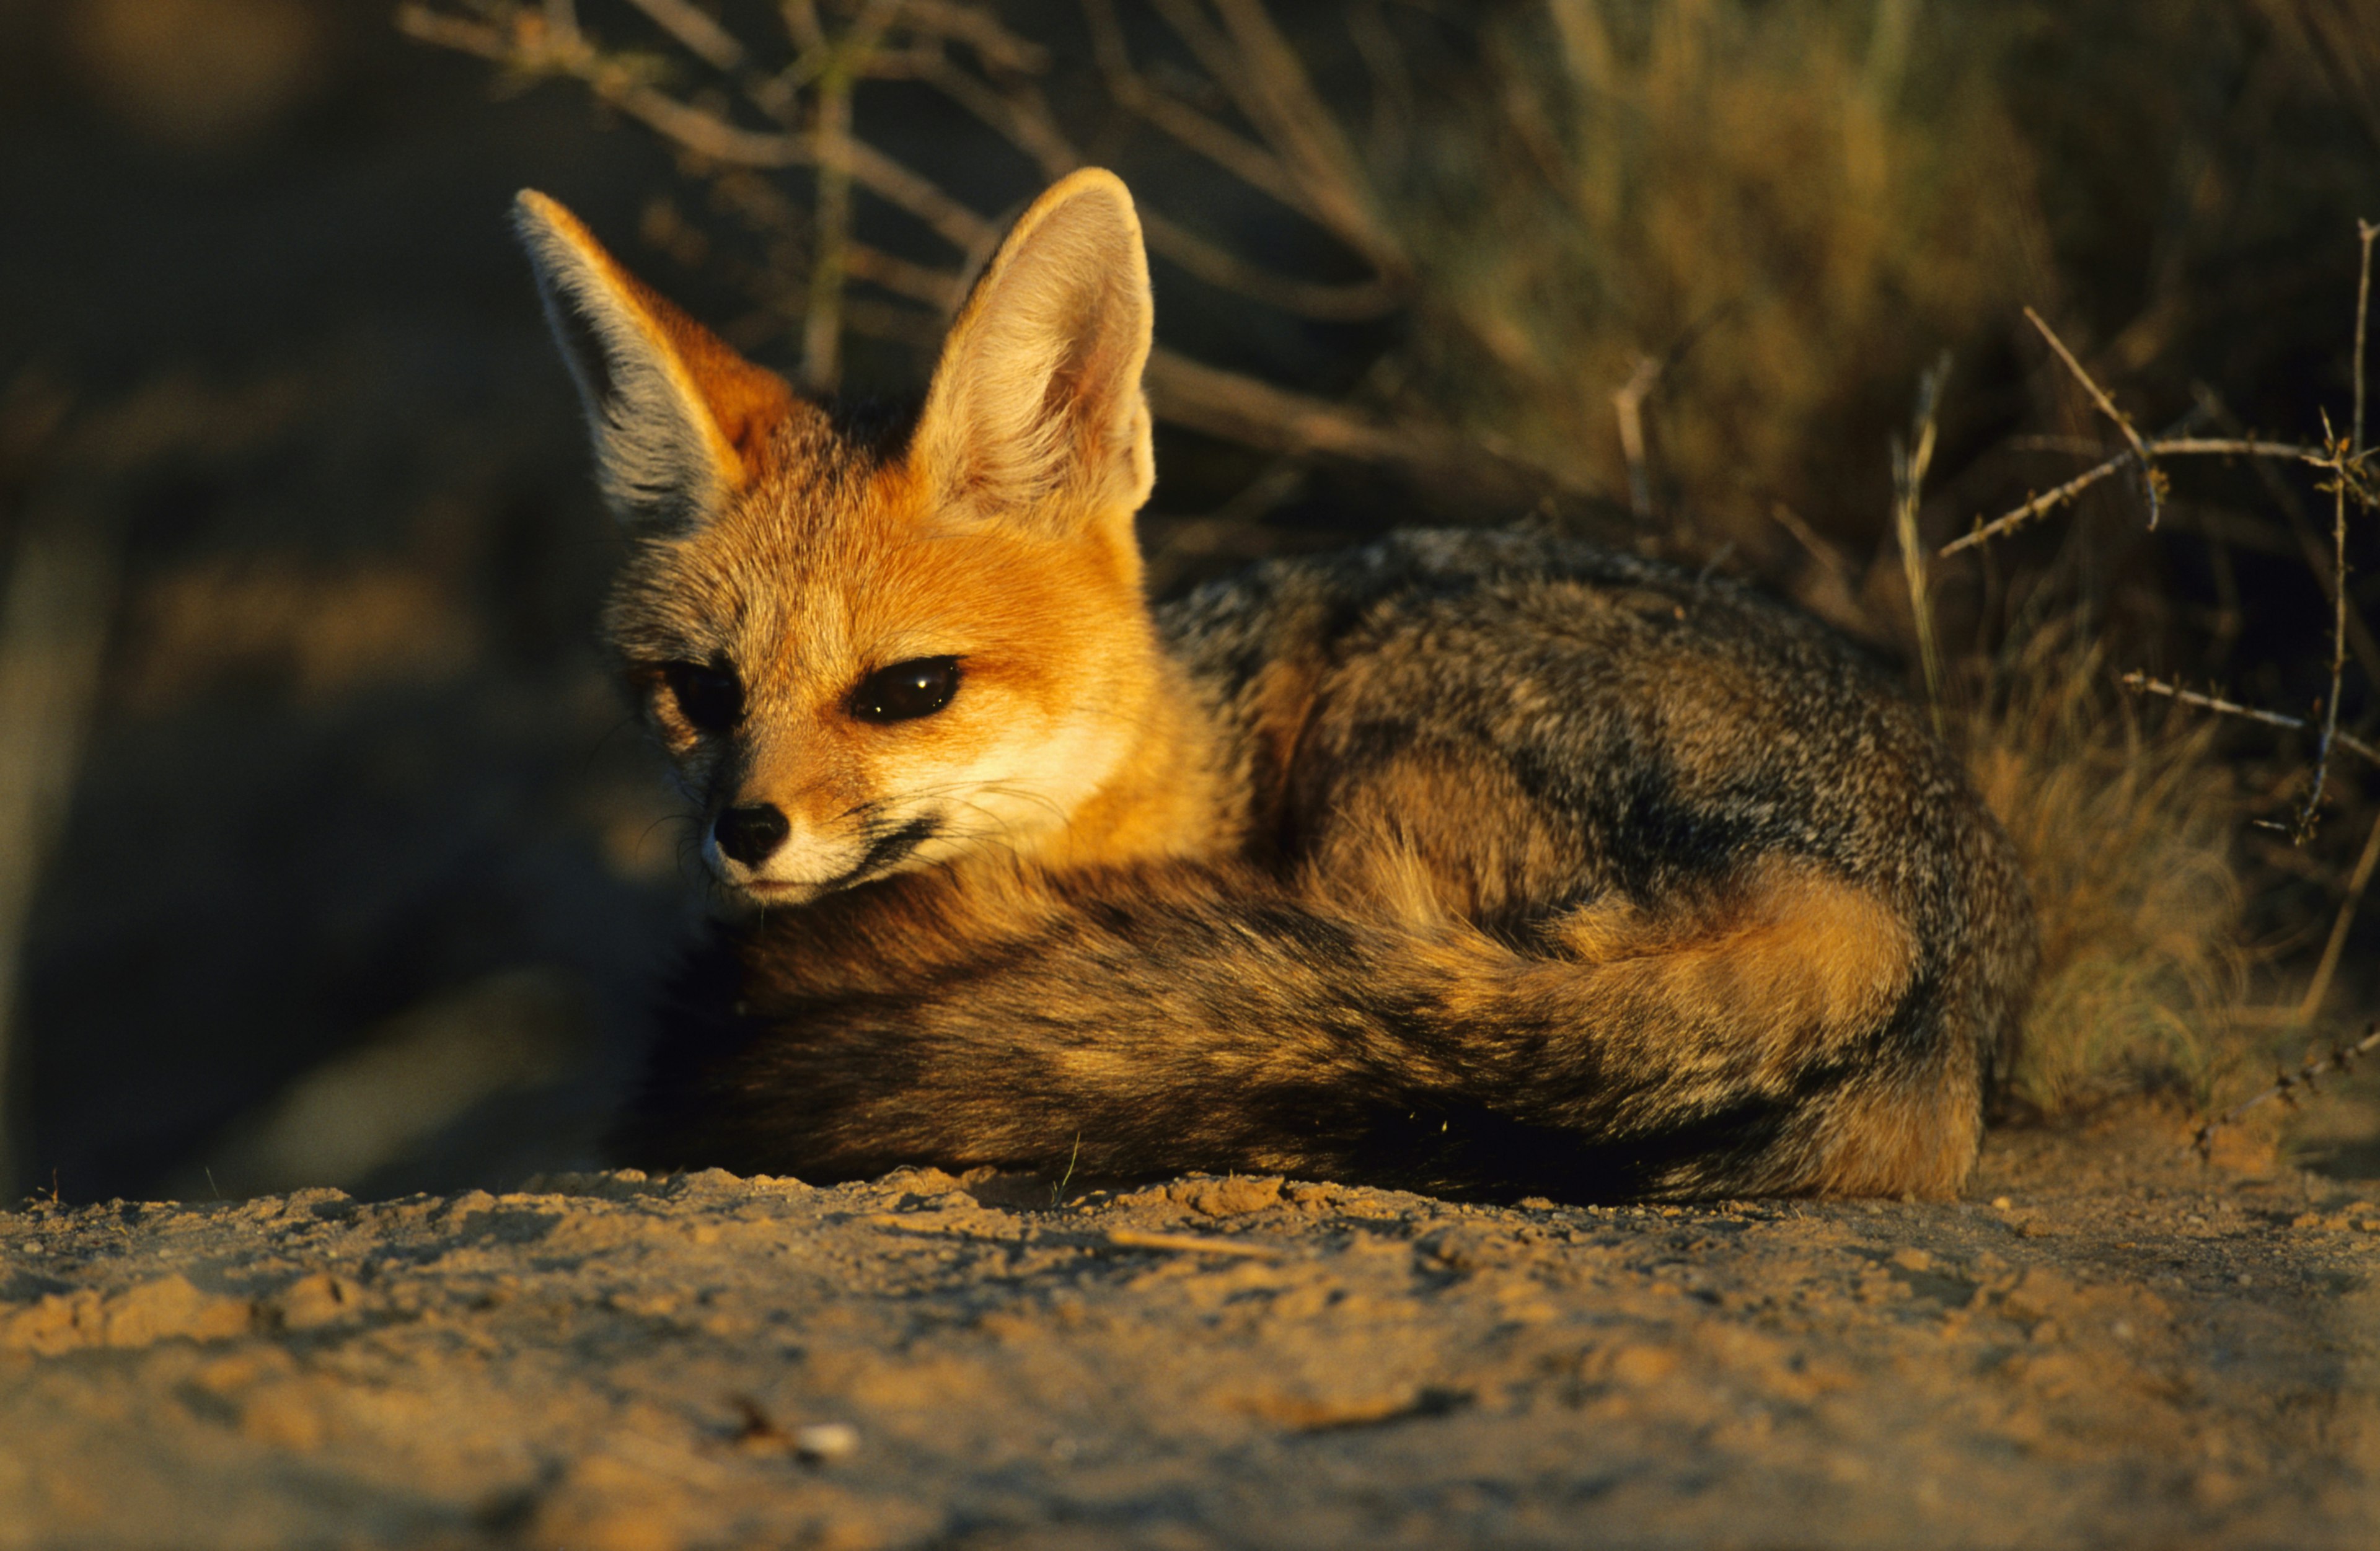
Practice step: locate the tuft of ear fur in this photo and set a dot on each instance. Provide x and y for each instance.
(1036, 402)
(680, 420)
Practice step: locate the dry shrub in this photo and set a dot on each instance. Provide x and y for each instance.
(1792, 206)
(2125, 820)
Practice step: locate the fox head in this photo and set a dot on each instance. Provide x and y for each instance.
(868, 649)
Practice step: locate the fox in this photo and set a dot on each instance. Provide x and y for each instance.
(1474, 863)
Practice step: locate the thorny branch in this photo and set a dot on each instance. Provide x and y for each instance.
(2176, 446)
(2150, 477)
(2340, 477)
(2142, 683)
(2338, 1058)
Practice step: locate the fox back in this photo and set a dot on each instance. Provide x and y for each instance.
(1465, 862)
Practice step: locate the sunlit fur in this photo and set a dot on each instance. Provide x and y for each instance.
(1466, 862)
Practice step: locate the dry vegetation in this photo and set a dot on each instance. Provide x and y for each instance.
(1671, 275)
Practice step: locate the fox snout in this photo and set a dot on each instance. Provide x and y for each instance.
(759, 850)
(755, 848)
(747, 834)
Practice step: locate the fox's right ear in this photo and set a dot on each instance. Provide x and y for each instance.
(680, 420)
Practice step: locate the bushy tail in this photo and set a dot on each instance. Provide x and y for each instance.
(1780, 1032)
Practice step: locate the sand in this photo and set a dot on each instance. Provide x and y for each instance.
(2111, 1342)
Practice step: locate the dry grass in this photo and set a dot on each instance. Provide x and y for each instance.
(1788, 208)
(2127, 822)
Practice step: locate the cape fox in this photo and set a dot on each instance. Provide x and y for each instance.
(1468, 862)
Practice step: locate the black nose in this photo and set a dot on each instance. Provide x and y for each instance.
(749, 833)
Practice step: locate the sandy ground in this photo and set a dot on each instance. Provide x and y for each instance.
(2107, 1343)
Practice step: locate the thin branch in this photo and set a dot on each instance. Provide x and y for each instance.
(802, 24)
(902, 325)
(1628, 405)
(1257, 413)
(940, 289)
(2302, 529)
(2365, 231)
(2319, 986)
(1909, 465)
(2338, 1058)
(2234, 446)
(980, 31)
(822, 318)
(1222, 268)
(1234, 152)
(704, 133)
(1023, 121)
(2306, 816)
(2176, 446)
(2142, 683)
(2040, 506)
(693, 27)
(2108, 407)
(1293, 118)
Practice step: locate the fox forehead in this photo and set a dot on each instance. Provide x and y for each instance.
(837, 560)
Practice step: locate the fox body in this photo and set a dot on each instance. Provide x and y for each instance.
(1466, 862)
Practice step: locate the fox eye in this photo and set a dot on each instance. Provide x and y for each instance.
(710, 698)
(907, 690)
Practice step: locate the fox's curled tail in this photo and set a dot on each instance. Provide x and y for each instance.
(1780, 1032)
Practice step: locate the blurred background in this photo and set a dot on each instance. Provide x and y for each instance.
(329, 855)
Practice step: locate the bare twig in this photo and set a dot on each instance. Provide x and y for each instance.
(2302, 529)
(2174, 446)
(980, 31)
(1019, 117)
(694, 28)
(1820, 548)
(1234, 152)
(2149, 475)
(1219, 267)
(1292, 116)
(2142, 683)
(822, 320)
(2319, 987)
(2365, 231)
(2338, 1058)
(1258, 414)
(698, 130)
(1909, 465)
(2308, 815)
(1628, 404)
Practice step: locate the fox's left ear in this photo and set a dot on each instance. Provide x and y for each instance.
(680, 420)
(1037, 400)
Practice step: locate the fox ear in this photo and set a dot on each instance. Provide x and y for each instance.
(1037, 399)
(680, 420)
